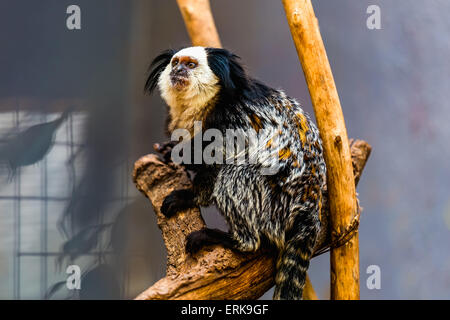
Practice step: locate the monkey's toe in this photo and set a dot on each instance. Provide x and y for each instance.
(165, 149)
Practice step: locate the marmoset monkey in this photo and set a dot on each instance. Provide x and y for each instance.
(281, 209)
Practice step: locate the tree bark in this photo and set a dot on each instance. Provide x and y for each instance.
(214, 272)
(344, 260)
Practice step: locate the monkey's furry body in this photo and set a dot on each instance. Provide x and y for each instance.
(283, 209)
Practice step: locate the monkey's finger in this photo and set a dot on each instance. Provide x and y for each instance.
(158, 147)
(161, 147)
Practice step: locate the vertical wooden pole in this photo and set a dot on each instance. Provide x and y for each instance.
(199, 22)
(344, 261)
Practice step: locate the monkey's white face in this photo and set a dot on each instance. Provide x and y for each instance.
(188, 79)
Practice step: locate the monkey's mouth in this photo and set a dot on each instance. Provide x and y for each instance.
(179, 81)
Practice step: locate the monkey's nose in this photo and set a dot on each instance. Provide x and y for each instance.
(180, 70)
(179, 77)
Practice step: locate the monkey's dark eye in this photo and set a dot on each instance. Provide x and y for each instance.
(192, 65)
(174, 62)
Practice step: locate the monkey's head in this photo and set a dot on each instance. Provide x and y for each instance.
(196, 75)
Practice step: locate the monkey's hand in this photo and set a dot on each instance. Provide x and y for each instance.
(165, 149)
(176, 201)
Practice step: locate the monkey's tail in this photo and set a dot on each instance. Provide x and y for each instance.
(292, 264)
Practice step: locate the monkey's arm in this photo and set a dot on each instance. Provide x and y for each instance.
(199, 193)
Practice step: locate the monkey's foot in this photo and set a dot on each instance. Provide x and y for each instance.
(206, 237)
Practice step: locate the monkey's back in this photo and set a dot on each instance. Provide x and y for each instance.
(259, 202)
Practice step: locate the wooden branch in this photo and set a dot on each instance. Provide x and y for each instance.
(344, 261)
(199, 22)
(214, 272)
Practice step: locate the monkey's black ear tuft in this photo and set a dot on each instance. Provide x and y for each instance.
(227, 68)
(156, 67)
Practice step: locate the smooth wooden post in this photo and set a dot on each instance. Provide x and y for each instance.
(330, 121)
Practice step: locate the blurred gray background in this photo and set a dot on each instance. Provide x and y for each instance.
(66, 195)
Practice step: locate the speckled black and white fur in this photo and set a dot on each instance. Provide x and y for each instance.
(282, 210)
